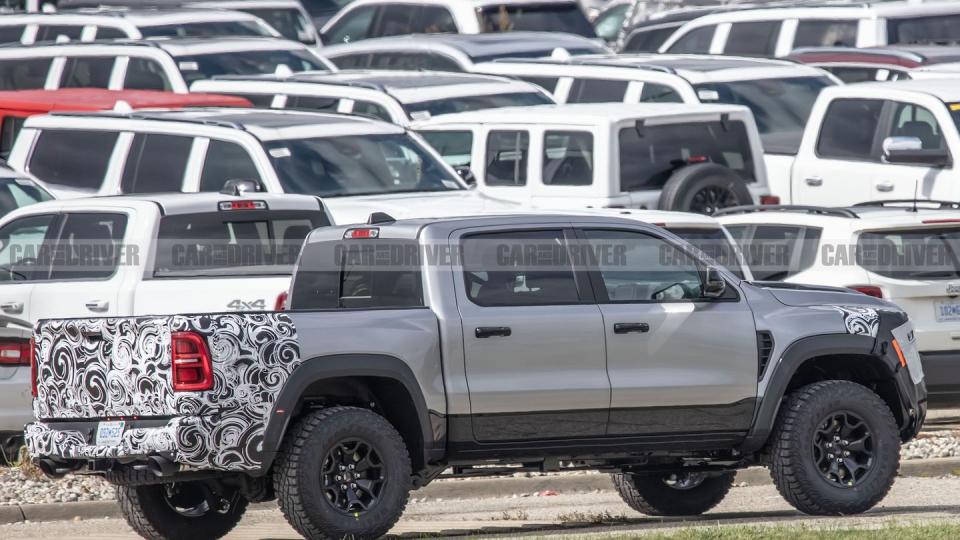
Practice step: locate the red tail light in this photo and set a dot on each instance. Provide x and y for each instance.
(192, 367)
(769, 199)
(33, 367)
(14, 352)
(281, 304)
(868, 290)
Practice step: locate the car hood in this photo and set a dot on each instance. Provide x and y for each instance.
(796, 295)
(347, 210)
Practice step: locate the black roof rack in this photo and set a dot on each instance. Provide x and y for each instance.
(818, 210)
(925, 204)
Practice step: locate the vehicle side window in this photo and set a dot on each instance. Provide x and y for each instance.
(17, 193)
(933, 30)
(88, 246)
(518, 268)
(695, 41)
(849, 129)
(776, 252)
(260, 101)
(395, 20)
(11, 33)
(352, 61)
(811, 33)
(412, 61)
(757, 38)
(371, 110)
(72, 158)
(650, 40)
(567, 158)
(435, 20)
(507, 158)
(354, 26)
(156, 163)
(145, 74)
(9, 129)
(110, 32)
(455, 147)
(24, 73)
(50, 32)
(659, 93)
(647, 269)
(911, 120)
(313, 103)
(226, 161)
(855, 74)
(87, 72)
(547, 83)
(597, 91)
(20, 248)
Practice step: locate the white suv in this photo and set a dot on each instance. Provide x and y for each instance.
(905, 252)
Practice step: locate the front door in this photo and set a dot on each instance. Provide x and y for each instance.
(23, 262)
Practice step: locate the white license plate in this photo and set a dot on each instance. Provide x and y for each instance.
(109, 433)
(947, 311)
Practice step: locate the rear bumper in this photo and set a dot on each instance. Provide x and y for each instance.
(75, 441)
(942, 371)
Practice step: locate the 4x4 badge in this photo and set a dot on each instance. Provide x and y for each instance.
(953, 289)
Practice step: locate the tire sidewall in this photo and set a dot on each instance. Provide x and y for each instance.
(681, 188)
(152, 506)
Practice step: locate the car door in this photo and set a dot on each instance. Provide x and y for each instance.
(677, 362)
(24, 261)
(533, 337)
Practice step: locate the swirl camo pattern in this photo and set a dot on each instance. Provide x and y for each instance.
(860, 320)
(101, 368)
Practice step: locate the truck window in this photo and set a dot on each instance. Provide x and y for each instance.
(507, 158)
(849, 129)
(110, 32)
(536, 17)
(11, 33)
(435, 20)
(354, 26)
(19, 192)
(20, 248)
(145, 74)
(455, 147)
(696, 41)
(88, 246)
(352, 61)
(24, 73)
(938, 29)
(714, 243)
(919, 254)
(777, 252)
(156, 163)
(911, 120)
(757, 38)
(371, 110)
(518, 268)
(87, 72)
(547, 83)
(50, 32)
(313, 103)
(597, 91)
(811, 33)
(72, 157)
(226, 161)
(659, 93)
(650, 40)
(567, 158)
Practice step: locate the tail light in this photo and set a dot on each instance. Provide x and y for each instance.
(33, 367)
(769, 199)
(192, 367)
(868, 290)
(281, 304)
(15, 352)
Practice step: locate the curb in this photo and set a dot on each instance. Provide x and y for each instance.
(481, 488)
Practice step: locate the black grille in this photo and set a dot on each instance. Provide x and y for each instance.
(764, 350)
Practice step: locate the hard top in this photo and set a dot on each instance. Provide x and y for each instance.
(96, 99)
(179, 203)
(583, 114)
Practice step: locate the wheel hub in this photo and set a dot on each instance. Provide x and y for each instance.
(353, 476)
(712, 198)
(843, 449)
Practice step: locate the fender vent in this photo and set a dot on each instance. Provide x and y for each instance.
(764, 350)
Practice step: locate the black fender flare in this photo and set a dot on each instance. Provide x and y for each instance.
(343, 365)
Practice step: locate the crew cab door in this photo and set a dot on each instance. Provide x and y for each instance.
(533, 337)
(23, 262)
(678, 362)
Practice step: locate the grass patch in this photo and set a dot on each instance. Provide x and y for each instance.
(942, 531)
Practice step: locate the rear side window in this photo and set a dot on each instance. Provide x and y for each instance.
(89, 246)
(926, 254)
(695, 41)
(226, 161)
(21, 241)
(24, 73)
(849, 129)
(648, 158)
(435, 20)
(50, 32)
(659, 93)
(567, 158)
(72, 158)
(352, 61)
(826, 34)
(547, 83)
(714, 243)
(935, 30)
(753, 38)
(371, 110)
(507, 156)
(11, 33)
(777, 252)
(156, 163)
(87, 72)
(455, 147)
(15, 192)
(9, 129)
(536, 17)
(649, 40)
(597, 91)
(413, 61)
(109, 32)
(313, 103)
(145, 74)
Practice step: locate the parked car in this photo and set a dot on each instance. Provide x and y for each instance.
(15, 399)
(693, 159)
(365, 19)
(17, 190)
(665, 362)
(392, 96)
(776, 31)
(647, 34)
(453, 52)
(169, 64)
(18, 105)
(902, 251)
(893, 63)
(114, 23)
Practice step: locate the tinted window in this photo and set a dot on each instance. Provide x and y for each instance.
(826, 34)
(9, 129)
(597, 91)
(651, 269)
(24, 73)
(412, 61)
(475, 103)
(156, 163)
(851, 75)
(288, 21)
(924, 254)
(145, 74)
(16, 192)
(714, 243)
(226, 161)
(11, 33)
(354, 26)
(50, 32)
(522, 268)
(694, 41)
(207, 66)
(352, 61)
(937, 29)
(776, 252)
(371, 110)
(567, 158)
(455, 147)
(313, 103)
(507, 157)
(557, 17)
(649, 40)
(88, 246)
(753, 38)
(547, 83)
(86, 72)
(914, 121)
(648, 161)
(20, 248)
(262, 101)
(659, 93)
(108, 32)
(205, 29)
(72, 158)
(395, 20)
(849, 129)
(435, 20)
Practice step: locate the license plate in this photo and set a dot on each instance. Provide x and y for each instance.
(947, 311)
(109, 433)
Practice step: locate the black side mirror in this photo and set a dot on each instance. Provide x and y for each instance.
(713, 283)
(466, 174)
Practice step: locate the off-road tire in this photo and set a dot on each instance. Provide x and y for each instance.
(152, 518)
(649, 494)
(792, 463)
(681, 189)
(297, 474)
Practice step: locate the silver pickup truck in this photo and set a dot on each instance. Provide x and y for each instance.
(481, 345)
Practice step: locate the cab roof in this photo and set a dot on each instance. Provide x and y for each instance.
(946, 90)
(585, 114)
(183, 203)
(96, 99)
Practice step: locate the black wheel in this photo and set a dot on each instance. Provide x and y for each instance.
(672, 494)
(704, 188)
(835, 449)
(10, 449)
(342, 472)
(181, 511)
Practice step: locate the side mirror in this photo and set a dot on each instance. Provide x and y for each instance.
(713, 284)
(910, 151)
(466, 174)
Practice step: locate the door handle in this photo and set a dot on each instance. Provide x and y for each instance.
(814, 181)
(630, 327)
(885, 187)
(490, 331)
(98, 305)
(12, 307)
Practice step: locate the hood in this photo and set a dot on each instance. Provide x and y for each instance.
(796, 295)
(347, 210)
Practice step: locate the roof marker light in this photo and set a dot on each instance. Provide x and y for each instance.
(242, 205)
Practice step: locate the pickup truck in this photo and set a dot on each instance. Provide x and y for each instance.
(481, 345)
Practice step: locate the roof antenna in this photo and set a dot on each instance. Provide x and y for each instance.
(916, 188)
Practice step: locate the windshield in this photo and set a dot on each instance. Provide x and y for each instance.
(207, 66)
(18, 192)
(557, 17)
(714, 243)
(911, 254)
(474, 103)
(205, 29)
(358, 165)
(780, 106)
(288, 21)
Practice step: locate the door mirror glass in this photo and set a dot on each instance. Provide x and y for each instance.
(910, 151)
(713, 283)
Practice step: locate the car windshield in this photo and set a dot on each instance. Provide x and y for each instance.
(911, 254)
(474, 103)
(714, 243)
(546, 17)
(206, 66)
(18, 192)
(288, 21)
(358, 165)
(205, 29)
(780, 106)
